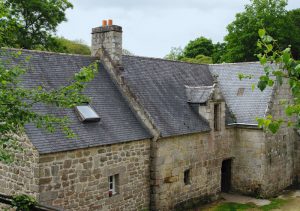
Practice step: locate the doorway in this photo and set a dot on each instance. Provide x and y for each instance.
(226, 175)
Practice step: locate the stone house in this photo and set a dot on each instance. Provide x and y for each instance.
(158, 134)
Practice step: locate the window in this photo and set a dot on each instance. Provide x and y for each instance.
(217, 112)
(113, 182)
(186, 177)
(87, 114)
(240, 92)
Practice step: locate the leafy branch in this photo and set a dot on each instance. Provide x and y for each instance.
(279, 67)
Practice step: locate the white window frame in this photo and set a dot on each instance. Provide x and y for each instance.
(112, 185)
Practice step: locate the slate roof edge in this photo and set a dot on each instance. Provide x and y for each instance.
(133, 102)
(47, 52)
(270, 101)
(244, 125)
(145, 57)
(236, 63)
(184, 134)
(161, 59)
(177, 61)
(92, 146)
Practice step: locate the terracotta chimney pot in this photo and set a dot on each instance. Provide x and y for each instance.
(104, 23)
(110, 22)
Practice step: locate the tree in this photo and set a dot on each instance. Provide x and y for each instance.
(176, 53)
(294, 29)
(242, 37)
(29, 24)
(73, 47)
(200, 59)
(219, 52)
(199, 46)
(17, 102)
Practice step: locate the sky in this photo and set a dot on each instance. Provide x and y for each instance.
(152, 27)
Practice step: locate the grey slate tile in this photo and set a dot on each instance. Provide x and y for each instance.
(250, 104)
(160, 86)
(118, 123)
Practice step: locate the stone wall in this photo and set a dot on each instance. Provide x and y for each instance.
(110, 39)
(266, 163)
(297, 160)
(200, 153)
(248, 163)
(21, 176)
(280, 148)
(78, 180)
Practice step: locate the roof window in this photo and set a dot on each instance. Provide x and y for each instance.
(87, 114)
(240, 92)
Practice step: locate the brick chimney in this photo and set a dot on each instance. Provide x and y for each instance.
(107, 39)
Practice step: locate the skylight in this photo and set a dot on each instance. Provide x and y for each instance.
(240, 92)
(87, 114)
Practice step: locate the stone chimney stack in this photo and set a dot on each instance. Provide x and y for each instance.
(107, 40)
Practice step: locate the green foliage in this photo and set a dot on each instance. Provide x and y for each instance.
(219, 52)
(23, 202)
(199, 46)
(270, 14)
(293, 38)
(231, 206)
(195, 48)
(127, 52)
(175, 54)
(200, 59)
(72, 47)
(29, 24)
(278, 66)
(17, 102)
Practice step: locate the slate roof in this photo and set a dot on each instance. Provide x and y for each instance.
(160, 86)
(118, 123)
(199, 94)
(250, 104)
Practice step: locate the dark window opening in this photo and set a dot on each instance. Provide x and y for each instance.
(226, 176)
(217, 112)
(186, 178)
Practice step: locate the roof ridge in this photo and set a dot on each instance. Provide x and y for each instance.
(47, 52)
(233, 63)
(167, 60)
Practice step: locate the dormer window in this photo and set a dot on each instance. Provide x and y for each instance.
(87, 114)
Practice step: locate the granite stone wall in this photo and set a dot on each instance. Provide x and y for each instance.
(78, 180)
(266, 163)
(201, 154)
(248, 164)
(21, 176)
(280, 148)
(110, 39)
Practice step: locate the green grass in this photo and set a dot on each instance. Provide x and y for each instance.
(230, 206)
(275, 203)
